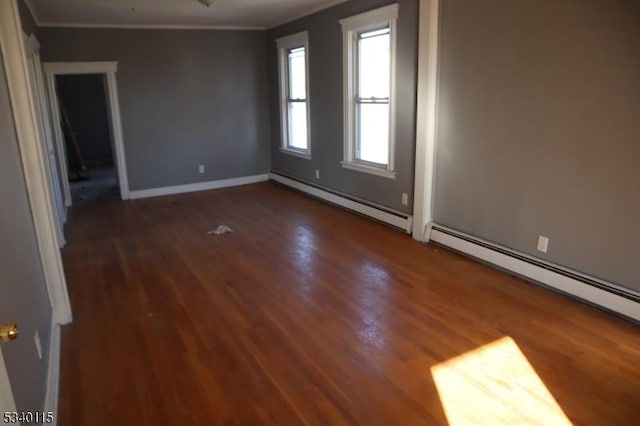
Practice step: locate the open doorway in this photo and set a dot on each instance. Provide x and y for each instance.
(87, 137)
(88, 134)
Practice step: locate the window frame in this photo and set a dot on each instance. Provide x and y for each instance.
(352, 27)
(285, 45)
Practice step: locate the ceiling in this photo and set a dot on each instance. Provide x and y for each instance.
(241, 14)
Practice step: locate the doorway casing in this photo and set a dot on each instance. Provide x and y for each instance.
(108, 69)
(25, 118)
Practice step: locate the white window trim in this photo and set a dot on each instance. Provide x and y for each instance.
(350, 28)
(284, 44)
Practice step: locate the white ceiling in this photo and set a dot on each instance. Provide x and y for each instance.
(258, 14)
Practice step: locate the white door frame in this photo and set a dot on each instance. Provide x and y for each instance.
(32, 47)
(109, 69)
(34, 164)
(426, 118)
(33, 161)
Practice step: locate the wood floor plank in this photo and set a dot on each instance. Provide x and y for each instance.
(307, 314)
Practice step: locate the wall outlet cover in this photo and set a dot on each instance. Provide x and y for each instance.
(543, 243)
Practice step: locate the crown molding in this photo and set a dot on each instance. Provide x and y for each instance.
(149, 26)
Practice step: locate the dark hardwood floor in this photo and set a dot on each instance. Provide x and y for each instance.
(308, 314)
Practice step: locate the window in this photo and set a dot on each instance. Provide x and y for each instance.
(369, 68)
(293, 59)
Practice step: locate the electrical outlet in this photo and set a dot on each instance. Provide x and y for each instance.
(543, 243)
(405, 198)
(36, 338)
(201, 168)
(317, 174)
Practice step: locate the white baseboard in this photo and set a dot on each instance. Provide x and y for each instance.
(200, 186)
(582, 290)
(53, 375)
(399, 220)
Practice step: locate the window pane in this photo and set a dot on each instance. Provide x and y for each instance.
(373, 135)
(297, 75)
(298, 125)
(374, 64)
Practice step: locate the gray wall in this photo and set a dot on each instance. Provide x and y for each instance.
(24, 298)
(26, 19)
(85, 101)
(326, 98)
(539, 129)
(186, 98)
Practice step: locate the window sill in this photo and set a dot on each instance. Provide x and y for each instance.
(360, 167)
(300, 154)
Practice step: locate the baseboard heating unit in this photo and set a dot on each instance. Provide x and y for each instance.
(377, 212)
(594, 291)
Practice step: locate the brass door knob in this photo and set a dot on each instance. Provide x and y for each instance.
(9, 332)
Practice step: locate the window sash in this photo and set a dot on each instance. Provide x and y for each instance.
(371, 147)
(293, 54)
(296, 131)
(297, 128)
(369, 100)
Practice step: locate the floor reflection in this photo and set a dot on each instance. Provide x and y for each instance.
(374, 284)
(305, 248)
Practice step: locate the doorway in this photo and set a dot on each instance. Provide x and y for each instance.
(88, 134)
(87, 138)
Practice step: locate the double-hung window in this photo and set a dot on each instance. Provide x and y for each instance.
(293, 59)
(369, 68)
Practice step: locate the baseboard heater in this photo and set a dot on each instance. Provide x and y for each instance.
(594, 291)
(380, 213)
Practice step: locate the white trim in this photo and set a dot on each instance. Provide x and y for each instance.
(24, 116)
(426, 118)
(308, 12)
(68, 68)
(118, 139)
(401, 220)
(568, 285)
(200, 186)
(300, 154)
(53, 374)
(284, 44)
(109, 69)
(370, 19)
(293, 40)
(351, 26)
(363, 167)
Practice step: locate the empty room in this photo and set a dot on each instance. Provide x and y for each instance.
(319, 212)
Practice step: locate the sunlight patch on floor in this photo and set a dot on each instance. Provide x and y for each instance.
(495, 385)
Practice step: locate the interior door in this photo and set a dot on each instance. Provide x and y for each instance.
(23, 291)
(36, 79)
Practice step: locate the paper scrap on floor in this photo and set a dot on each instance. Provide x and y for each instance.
(222, 229)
